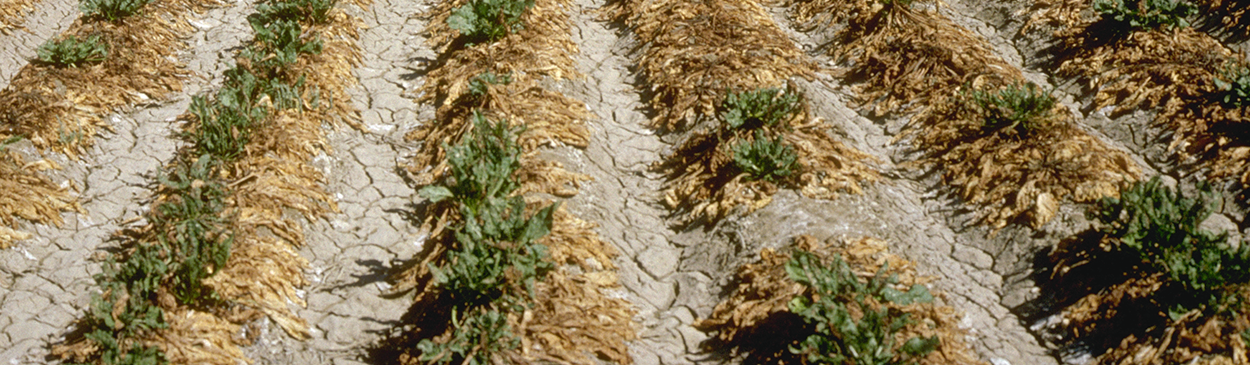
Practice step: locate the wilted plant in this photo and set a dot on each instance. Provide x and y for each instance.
(278, 42)
(1160, 227)
(478, 84)
(496, 249)
(112, 10)
(853, 326)
(480, 335)
(315, 10)
(72, 51)
(125, 309)
(496, 260)
(1234, 84)
(765, 158)
(1147, 14)
(200, 243)
(1018, 109)
(488, 20)
(758, 108)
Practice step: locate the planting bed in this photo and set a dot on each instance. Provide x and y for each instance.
(625, 181)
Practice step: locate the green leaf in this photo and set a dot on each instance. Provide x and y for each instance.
(435, 193)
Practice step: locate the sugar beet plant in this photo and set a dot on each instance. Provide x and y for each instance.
(111, 10)
(1233, 84)
(1146, 14)
(765, 107)
(1018, 109)
(852, 323)
(759, 113)
(488, 20)
(765, 158)
(72, 51)
(495, 262)
(1159, 226)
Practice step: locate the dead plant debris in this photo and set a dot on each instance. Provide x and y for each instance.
(13, 14)
(757, 321)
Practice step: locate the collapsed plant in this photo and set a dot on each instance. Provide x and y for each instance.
(836, 303)
(1178, 293)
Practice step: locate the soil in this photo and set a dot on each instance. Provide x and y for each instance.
(672, 276)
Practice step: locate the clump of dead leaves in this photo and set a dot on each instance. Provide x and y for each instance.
(1170, 71)
(13, 13)
(27, 194)
(755, 321)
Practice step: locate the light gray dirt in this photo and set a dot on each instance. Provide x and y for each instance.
(624, 197)
(352, 251)
(45, 282)
(48, 19)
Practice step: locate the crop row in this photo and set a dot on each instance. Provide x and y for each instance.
(112, 57)
(216, 250)
(718, 77)
(506, 274)
(720, 72)
(1179, 297)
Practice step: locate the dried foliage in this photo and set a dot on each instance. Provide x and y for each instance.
(1177, 73)
(696, 52)
(1233, 15)
(60, 108)
(756, 322)
(912, 61)
(27, 194)
(13, 13)
(542, 47)
(549, 118)
(706, 185)
(1017, 176)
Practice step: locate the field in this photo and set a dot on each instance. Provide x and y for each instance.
(624, 181)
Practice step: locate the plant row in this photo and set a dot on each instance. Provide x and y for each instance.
(506, 275)
(1178, 292)
(1148, 58)
(216, 251)
(1004, 144)
(117, 54)
(846, 302)
(1149, 284)
(719, 72)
